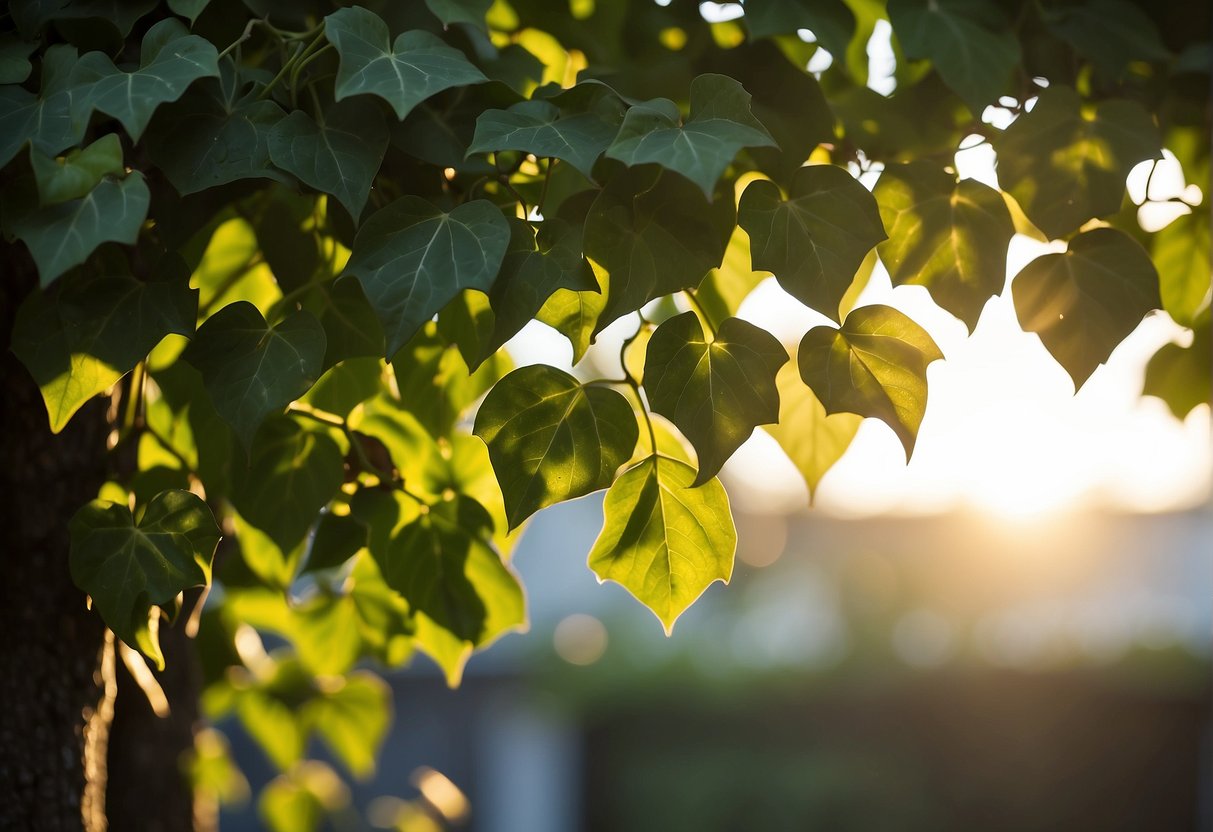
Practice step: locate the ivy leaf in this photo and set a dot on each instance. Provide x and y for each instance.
(576, 126)
(1064, 165)
(252, 369)
(812, 439)
(831, 21)
(575, 314)
(189, 9)
(412, 258)
(471, 12)
(73, 176)
(664, 540)
(716, 392)
(353, 719)
(1180, 376)
(875, 365)
(530, 274)
(47, 120)
(63, 235)
(292, 474)
(339, 156)
(970, 42)
(403, 73)
(1181, 253)
(78, 338)
(700, 149)
(1109, 32)
(948, 236)
(815, 241)
(462, 595)
(170, 60)
(654, 235)
(14, 59)
(32, 15)
(1084, 302)
(129, 565)
(552, 439)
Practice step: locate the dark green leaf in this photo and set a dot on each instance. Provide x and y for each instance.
(831, 21)
(171, 59)
(338, 538)
(460, 11)
(32, 15)
(700, 149)
(130, 565)
(48, 120)
(949, 236)
(412, 258)
(1109, 32)
(351, 328)
(970, 42)
(252, 369)
(815, 241)
(403, 73)
(714, 391)
(14, 59)
(189, 9)
(292, 474)
(1065, 165)
(339, 156)
(73, 176)
(81, 336)
(64, 235)
(874, 366)
(1084, 302)
(552, 439)
(663, 540)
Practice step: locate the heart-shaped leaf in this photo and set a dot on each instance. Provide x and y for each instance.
(1181, 253)
(814, 241)
(252, 369)
(970, 42)
(1109, 32)
(1084, 302)
(339, 156)
(949, 236)
(714, 391)
(831, 21)
(129, 565)
(700, 149)
(169, 61)
(875, 365)
(49, 120)
(79, 337)
(73, 176)
(412, 258)
(552, 439)
(663, 540)
(63, 235)
(404, 72)
(471, 12)
(1065, 165)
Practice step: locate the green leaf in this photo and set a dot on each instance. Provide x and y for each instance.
(129, 565)
(875, 366)
(73, 176)
(338, 538)
(292, 474)
(78, 338)
(339, 156)
(575, 314)
(353, 719)
(170, 60)
(815, 241)
(1181, 376)
(460, 11)
(724, 289)
(412, 258)
(831, 21)
(1181, 253)
(700, 149)
(813, 440)
(461, 593)
(576, 126)
(663, 540)
(64, 235)
(47, 120)
(403, 73)
(531, 273)
(552, 439)
(654, 235)
(1065, 164)
(350, 324)
(716, 392)
(1109, 32)
(346, 385)
(970, 42)
(300, 800)
(14, 59)
(32, 15)
(1084, 302)
(949, 236)
(252, 369)
(189, 9)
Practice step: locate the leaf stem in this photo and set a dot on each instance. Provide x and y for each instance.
(547, 178)
(287, 66)
(134, 396)
(703, 313)
(644, 411)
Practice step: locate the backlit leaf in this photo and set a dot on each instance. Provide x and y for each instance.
(1183, 376)
(1181, 254)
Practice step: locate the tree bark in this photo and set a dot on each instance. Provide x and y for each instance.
(54, 707)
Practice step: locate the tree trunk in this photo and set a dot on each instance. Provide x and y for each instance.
(56, 662)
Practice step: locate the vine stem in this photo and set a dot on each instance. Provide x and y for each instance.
(644, 411)
(543, 194)
(703, 313)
